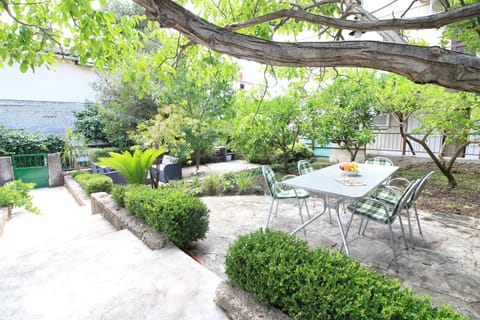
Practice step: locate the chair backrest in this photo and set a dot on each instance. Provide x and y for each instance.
(271, 181)
(380, 161)
(405, 197)
(304, 167)
(420, 186)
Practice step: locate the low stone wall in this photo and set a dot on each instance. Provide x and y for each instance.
(77, 192)
(103, 203)
(3, 218)
(239, 304)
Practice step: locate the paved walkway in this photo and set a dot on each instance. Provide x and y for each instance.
(68, 264)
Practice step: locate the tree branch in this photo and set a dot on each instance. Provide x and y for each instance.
(419, 64)
(426, 22)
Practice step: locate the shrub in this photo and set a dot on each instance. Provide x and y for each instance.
(16, 194)
(20, 142)
(89, 123)
(282, 271)
(192, 186)
(182, 217)
(211, 184)
(243, 180)
(119, 190)
(134, 167)
(95, 154)
(95, 182)
(300, 152)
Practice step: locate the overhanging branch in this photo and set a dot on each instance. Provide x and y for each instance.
(417, 63)
(425, 22)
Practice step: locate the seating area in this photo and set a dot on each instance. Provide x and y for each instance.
(370, 194)
(167, 169)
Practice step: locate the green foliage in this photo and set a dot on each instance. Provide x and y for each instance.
(263, 126)
(95, 154)
(74, 145)
(282, 271)
(182, 217)
(119, 190)
(211, 184)
(133, 167)
(16, 194)
(95, 182)
(464, 32)
(345, 111)
(243, 180)
(20, 142)
(121, 110)
(89, 123)
(195, 106)
(300, 152)
(191, 186)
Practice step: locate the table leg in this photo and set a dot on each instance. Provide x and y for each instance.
(340, 227)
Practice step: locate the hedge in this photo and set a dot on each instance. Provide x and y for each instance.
(95, 182)
(182, 217)
(282, 271)
(20, 142)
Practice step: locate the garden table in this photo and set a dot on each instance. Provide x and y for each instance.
(332, 181)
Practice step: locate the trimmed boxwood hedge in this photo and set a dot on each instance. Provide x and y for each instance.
(182, 217)
(282, 271)
(94, 182)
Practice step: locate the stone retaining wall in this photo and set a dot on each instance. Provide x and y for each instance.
(3, 218)
(103, 203)
(239, 304)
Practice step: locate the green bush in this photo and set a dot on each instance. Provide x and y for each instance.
(21, 142)
(282, 271)
(300, 152)
(95, 182)
(182, 217)
(211, 184)
(95, 154)
(119, 190)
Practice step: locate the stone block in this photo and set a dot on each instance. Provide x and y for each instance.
(3, 218)
(55, 173)
(239, 304)
(77, 192)
(6, 170)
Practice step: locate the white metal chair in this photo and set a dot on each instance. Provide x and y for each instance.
(278, 194)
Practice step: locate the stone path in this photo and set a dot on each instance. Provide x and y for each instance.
(444, 263)
(68, 264)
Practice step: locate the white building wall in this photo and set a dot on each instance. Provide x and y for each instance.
(67, 82)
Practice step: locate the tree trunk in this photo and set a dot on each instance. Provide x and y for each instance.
(197, 159)
(446, 170)
(419, 64)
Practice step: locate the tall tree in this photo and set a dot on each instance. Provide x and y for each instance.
(345, 111)
(456, 117)
(264, 125)
(243, 29)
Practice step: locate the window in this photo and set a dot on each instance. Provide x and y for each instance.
(382, 121)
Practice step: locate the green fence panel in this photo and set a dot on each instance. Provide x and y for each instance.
(31, 168)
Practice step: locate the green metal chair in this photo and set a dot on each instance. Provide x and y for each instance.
(278, 194)
(387, 197)
(305, 167)
(379, 211)
(379, 161)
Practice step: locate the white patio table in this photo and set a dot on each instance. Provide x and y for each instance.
(331, 181)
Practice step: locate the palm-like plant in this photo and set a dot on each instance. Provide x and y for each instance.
(133, 167)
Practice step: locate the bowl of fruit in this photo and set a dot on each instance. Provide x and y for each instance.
(350, 169)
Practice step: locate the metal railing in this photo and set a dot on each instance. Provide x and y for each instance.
(393, 143)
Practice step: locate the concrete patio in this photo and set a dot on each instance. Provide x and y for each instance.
(68, 264)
